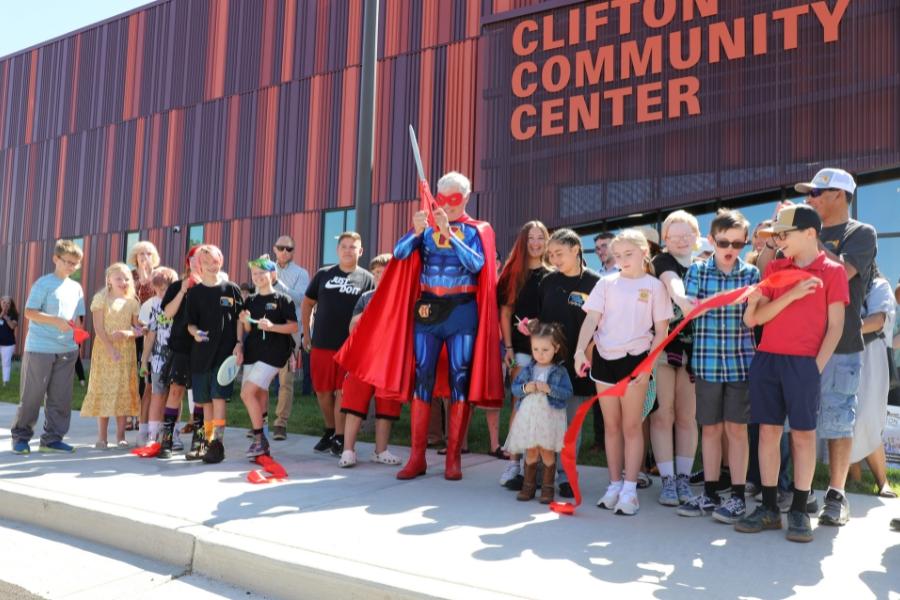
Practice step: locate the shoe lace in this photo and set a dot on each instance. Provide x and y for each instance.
(733, 504)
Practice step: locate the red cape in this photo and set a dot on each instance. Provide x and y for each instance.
(380, 349)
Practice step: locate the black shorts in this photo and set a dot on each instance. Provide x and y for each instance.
(177, 370)
(784, 386)
(610, 372)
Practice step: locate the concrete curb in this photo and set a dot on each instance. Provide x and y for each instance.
(268, 568)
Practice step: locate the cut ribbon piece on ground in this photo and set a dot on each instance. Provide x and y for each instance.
(569, 454)
(271, 471)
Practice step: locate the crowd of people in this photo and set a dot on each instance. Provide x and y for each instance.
(768, 383)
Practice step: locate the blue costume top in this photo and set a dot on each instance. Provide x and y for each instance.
(449, 267)
(450, 271)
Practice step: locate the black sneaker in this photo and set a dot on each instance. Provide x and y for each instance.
(799, 528)
(515, 484)
(697, 478)
(337, 446)
(761, 518)
(837, 510)
(215, 452)
(198, 446)
(324, 444)
(565, 490)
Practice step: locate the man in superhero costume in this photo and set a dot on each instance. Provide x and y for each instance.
(437, 290)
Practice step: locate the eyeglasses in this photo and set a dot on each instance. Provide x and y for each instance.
(725, 243)
(815, 192)
(782, 235)
(72, 263)
(284, 248)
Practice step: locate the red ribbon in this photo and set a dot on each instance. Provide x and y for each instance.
(79, 334)
(569, 454)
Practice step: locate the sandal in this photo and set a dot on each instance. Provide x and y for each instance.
(348, 459)
(385, 458)
(886, 491)
(500, 453)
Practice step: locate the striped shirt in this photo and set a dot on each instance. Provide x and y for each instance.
(723, 345)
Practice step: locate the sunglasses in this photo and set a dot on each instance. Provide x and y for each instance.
(815, 192)
(725, 243)
(451, 199)
(284, 248)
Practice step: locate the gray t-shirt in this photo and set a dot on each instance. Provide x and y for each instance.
(855, 243)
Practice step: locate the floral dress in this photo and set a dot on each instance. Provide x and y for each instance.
(113, 385)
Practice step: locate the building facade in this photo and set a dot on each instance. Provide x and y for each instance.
(232, 122)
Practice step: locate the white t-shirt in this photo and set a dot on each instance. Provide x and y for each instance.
(629, 307)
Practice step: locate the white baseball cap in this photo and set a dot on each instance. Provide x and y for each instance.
(837, 179)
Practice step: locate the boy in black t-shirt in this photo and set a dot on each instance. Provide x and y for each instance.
(213, 306)
(333, 292)
(269, 318)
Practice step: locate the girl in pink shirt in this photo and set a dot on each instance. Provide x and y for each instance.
(627, 314)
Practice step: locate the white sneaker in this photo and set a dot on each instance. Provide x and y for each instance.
(611, 498)
(348, 459)
(510, 472)
(628, 504)
(385, 458)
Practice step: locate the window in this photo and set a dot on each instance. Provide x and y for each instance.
(131, 238)
(195, 236)
(876, 204)
(76, 276)
(334, 223)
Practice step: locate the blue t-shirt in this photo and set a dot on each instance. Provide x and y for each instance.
(59, 298)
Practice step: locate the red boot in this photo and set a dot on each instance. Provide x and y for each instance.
(419, 416)
(457, 427)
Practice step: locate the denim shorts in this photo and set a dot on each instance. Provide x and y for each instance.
(840, 382)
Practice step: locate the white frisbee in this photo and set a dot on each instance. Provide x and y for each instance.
(228, 371)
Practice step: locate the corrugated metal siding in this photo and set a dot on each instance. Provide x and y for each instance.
(767, 121)
(243, 116)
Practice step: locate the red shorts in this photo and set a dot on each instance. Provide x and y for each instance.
(327, 375)
(357, 395)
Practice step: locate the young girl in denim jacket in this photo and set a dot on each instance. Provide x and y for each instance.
(540, 423)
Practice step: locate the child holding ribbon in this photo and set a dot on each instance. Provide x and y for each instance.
(627, 315)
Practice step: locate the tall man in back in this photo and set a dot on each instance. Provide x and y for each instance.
(292, 281)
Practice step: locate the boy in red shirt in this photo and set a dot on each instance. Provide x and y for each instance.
(802, 326)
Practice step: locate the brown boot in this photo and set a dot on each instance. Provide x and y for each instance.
(528, 486)
(547, 483)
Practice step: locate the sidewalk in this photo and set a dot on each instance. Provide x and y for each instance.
(329, 532)
(89, 571)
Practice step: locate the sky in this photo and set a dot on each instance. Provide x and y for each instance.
(24, 23)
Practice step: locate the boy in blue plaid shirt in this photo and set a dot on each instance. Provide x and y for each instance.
(723, 350)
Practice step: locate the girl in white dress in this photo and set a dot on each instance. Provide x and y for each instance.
(540, 423)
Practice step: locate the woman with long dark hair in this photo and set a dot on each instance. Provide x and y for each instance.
(9, 320)
(517, 290)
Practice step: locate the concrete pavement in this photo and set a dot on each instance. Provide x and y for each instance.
(359, 532)
(45, 564)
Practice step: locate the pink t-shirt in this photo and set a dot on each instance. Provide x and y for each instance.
(629, 308)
